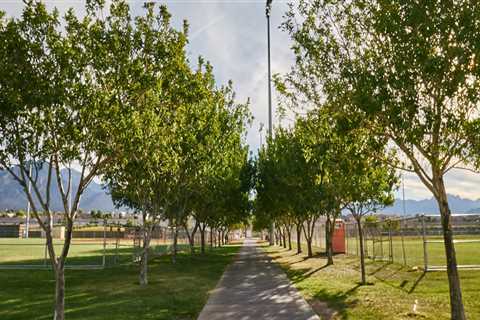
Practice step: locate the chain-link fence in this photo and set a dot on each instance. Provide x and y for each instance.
(418, 241)
(92, 247)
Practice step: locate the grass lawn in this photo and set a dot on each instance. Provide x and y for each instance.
(393, 291)
(414, 250)
(175, 291)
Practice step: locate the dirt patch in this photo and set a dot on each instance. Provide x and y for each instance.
(321, 308)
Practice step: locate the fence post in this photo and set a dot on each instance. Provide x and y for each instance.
(357, 242)
(390, 242)
(403, 241)
(45, 255)
(104, 241)
(424, 236)
(382, 255)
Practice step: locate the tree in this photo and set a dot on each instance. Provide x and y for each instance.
(409, 71)
(58, 109)
(371, 190)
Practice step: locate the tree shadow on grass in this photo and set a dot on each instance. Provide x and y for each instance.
(175, 291)
(298, 275)
(329, 305)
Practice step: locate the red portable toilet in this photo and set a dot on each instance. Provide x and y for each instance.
(338, 241)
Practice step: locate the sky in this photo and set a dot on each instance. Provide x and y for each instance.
(232, 35)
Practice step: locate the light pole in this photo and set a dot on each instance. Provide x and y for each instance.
(27, 223)
(267, 13)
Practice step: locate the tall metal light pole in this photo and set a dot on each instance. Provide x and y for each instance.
(270, 129)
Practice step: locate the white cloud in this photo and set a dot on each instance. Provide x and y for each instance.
(232, 36)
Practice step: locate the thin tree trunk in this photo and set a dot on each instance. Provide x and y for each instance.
(202, 238)
(308, 236)
(143, 279)
(299, 235)
(362, 253)
(59, 267)
(59, 292)
(329, 227)
(211, 238)
(456, 302)
(175, 247)
(284, 238)
(289, 233)
(191, 236)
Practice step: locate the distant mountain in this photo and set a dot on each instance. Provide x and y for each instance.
(429, 206)
(13, 197)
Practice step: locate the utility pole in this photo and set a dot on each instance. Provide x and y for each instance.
(270, 129)
(27, 222)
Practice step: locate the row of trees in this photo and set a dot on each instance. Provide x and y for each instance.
(318, 168)
(404, 72)
(115, 97)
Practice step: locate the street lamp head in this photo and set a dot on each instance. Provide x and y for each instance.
(268, 7)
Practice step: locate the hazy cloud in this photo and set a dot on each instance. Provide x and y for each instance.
(232, 36)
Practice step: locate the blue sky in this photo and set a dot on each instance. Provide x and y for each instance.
(231, 34)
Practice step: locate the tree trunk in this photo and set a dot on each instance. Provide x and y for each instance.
(456, 302)
(211, 238)
(59, 267)
(308, 236)
(144, 268)
(191, 236)
(202, 238)
(284, 238)
(59, 293)
(175, 248)
(329, 227)
(362, 253)
(289, 234)
(299, 235)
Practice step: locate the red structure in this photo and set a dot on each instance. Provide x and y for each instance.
(338, 241)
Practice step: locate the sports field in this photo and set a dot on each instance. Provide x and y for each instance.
(393, 291)
(175, 291)
(31, 253)
(467, 252)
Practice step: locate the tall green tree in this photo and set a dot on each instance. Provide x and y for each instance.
(59, 109)
(409, 70)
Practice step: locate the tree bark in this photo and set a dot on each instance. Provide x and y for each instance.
(59, 292)
(456, 302)
(202, 238)
(284, 238)
(329, 227)
(191, 236)
(211, 238)
(299, 235)
(362, 253)
(308, 232)
(143, 278)
(175, 248)
(289, 234)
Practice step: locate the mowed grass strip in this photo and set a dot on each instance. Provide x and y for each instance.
(175, 291)
(392, 293)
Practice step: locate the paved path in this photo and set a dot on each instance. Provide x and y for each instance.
(254, 288)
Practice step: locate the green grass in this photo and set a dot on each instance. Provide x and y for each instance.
(175, 291)
(391, 293)
(31, 252)
(466, 252)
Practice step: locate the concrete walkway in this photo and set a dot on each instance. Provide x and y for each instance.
(254, 288)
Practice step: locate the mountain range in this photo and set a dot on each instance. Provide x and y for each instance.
(96, 197)
(13, 197)
(429, 206)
